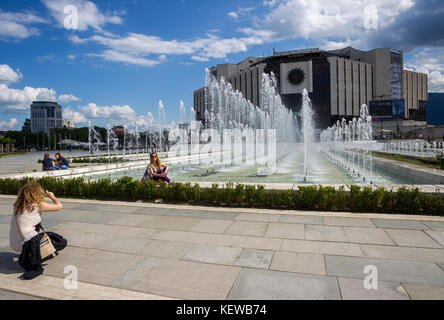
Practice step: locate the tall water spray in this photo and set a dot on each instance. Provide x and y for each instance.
(162, 119)
(226, 108)
(307, 128)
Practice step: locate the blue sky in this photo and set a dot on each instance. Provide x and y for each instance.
(125, 56)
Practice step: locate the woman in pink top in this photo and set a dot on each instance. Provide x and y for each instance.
(26, 220)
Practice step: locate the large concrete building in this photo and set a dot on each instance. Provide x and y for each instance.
(45, 116)
(338, 83)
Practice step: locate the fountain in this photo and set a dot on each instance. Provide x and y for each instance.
(307, 128)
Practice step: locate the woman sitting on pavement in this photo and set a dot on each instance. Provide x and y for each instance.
(24, 232)
(156, 170)
(47, 164)
(62, 163)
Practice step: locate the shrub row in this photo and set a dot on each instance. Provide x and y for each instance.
(358, 199)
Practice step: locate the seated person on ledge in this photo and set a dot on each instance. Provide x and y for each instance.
(62, 163)
(156, 170)
(47, 164)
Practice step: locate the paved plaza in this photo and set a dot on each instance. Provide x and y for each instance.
(148, 251)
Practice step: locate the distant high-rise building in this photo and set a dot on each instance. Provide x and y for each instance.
(69, 124)
(26, 126)
(45, 116)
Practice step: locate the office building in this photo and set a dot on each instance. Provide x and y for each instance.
(338, 83)
(45, 116)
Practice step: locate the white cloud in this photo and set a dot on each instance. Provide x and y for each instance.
(328, 22)
(72, 115)
(8, 75)
(242, 12)
(113, 115)
(66, 98)
(8, 125)
(116, 113)
(19, 100)
(17, 25)
(71, 57)
(233, 15)
(89, 16)
(117, 56)
(270, 3)
(135, 48)
(430, 62)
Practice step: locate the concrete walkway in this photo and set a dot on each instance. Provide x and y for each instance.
(147, 251)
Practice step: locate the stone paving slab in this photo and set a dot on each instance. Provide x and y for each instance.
(6, 209)
(254, 284)
(298, 262)
(253, 258)
(99, 217)
(367, 235)
(412, 238)
(5, 219)
(288, 218)
(325, 233)
(211, 226)
(403, 253)
(437, 235)
(435, 225)
(244, 228)
(48, 287)
(4, 231)
(213, 254)
(286, 231)
(124, 244)
(388, 270)
(167, 249)
(353, 289)
(103, 267)
(258, 217)
(8, 295)
(169, 223)
(106, 207)
(400, 224)
(150, 211)
(129, 220)
(202, 214)
(349, 222)
(179, 279)
(321, 247)
(221, 240)
(421, 292)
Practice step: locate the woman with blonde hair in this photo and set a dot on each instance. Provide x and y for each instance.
(24, 233)
(156, 170)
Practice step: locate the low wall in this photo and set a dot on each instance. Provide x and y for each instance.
(415, 172)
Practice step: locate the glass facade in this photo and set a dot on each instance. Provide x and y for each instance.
(45, 116)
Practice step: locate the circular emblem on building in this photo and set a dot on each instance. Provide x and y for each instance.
(296, 76)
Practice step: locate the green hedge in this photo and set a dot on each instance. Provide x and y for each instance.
(358, 199)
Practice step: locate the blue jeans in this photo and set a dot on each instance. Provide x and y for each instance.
(63, 167)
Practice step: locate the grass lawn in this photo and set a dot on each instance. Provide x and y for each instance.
(425, 162)
(2, 155)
